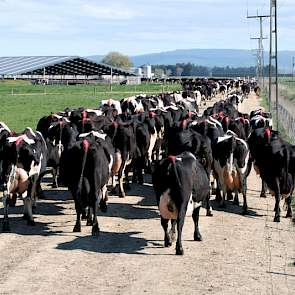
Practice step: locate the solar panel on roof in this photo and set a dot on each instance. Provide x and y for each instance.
(72, 65)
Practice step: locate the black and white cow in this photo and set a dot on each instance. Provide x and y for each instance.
(176, 180)
(23, 165)
(231, 167)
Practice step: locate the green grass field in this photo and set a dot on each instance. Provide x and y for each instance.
(289, 92)
(23, 104)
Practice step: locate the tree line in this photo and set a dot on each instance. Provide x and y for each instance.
(189, 69)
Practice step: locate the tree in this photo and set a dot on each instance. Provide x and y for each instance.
(118, 60)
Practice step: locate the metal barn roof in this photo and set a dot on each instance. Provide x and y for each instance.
(56, 65)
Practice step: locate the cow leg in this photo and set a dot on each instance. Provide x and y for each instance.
(139, 168)
(289, 209)
(236, 199)
(229, 195)
(263, 189)
(208, 208)
(244, 191)
(121, 176)
(180, 222)
(77, 227)
(95, 227)
(277, 205)
(222, 202)
(12, 200)
(5, 225)
(113, 190)
(126, 172)
(28, 210)
(54, 177)
(28, 203)
(172, 230)
(103, 202)
(89, 217)
(167, 238)
(196, 214)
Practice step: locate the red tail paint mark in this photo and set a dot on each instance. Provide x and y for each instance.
(172, 159)
(242, 120)
(183, 124)
(226, 119)
(85, 145)
(214, 116)
(13, 133)
(190, 114)
(18, 141)
(221, 114)
(267, 134)
(84, 116)
(115, 124)
(152, 114)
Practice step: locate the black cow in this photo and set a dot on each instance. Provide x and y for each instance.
(85, 169)
(274, 160)
(177, 179)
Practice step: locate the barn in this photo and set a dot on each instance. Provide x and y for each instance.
(60, 70)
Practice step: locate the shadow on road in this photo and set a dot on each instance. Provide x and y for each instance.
(234, 209)
(108, 242)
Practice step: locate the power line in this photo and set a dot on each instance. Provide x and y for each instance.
(260, 52)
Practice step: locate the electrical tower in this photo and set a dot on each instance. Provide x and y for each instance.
(260, 53)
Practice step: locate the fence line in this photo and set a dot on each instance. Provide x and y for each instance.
(288, 122)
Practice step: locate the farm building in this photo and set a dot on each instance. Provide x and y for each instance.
(60, 69)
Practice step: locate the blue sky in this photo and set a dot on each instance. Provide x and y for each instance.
(87, 27)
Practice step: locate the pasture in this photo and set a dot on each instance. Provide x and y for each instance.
(31, 102)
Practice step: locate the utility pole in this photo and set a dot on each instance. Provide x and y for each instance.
(273, 55)
(260, 60)
(293, 67)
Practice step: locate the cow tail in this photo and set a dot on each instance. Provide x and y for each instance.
(85, 146)
(174, 174)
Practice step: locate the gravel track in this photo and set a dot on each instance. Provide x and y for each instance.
(238, 255)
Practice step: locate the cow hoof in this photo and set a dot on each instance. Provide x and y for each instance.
(122, 195)
(277, 218)
(54, 185)
(263, 195)
(77, 228)
(179, 251)
(103, 207)
(30, 222)
(89, 223)
(127, 187)
(222, 205)
(5, 226)
(95, 231)
(289, 215)
(229, 196)
(209, 213)
(245, 211)
(140, 182)
(236, 202)
(12, 202)
(167, 243)
(197, 237)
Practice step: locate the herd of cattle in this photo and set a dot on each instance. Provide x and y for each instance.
(190, 155)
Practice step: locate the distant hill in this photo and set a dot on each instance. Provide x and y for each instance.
(208, 58)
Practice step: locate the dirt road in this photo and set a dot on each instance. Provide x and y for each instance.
(238, 255)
